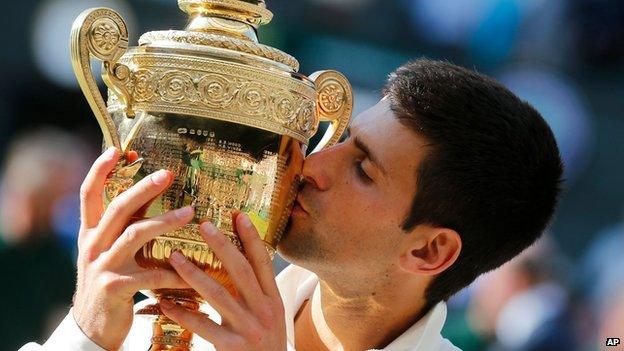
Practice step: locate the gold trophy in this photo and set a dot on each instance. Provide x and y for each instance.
(230, 117)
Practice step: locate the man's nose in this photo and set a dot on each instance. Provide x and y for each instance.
(317, 168)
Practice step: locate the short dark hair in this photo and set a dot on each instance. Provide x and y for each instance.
(492, 174)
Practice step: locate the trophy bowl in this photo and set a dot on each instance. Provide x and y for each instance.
(230, 117)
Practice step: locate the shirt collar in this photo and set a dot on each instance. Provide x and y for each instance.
(297, 284)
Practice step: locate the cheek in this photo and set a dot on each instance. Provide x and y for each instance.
(358, 216)
(343, 215)
(352, 210)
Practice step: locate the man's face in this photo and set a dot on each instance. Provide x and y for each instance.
(355, 198)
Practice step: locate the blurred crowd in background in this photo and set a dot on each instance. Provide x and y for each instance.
(566, 57)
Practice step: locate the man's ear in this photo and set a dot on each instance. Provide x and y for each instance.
(434, 250)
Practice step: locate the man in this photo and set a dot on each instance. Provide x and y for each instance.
(449, 176)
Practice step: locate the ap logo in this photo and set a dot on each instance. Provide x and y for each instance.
(613, 341)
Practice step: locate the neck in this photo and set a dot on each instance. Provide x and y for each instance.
(338, 318)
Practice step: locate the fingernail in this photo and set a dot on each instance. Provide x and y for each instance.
(161, 177)
(184, 212)
(177, 258)
(109, 153)
(166, 304)
(245, 221)
(208, 228)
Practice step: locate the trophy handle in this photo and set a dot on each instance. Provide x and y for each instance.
(334, 104)
(102, 33)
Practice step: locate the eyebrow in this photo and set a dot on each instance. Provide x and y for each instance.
(370, 155)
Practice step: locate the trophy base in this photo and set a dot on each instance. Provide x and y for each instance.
(166, 333)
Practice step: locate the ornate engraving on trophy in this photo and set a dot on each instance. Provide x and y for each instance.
(331, 97)
(105, 35)
(213, 86)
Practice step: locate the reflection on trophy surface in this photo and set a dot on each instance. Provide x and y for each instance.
(231, 118)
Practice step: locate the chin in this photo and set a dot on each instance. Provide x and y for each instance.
(284, 243)
(289, 245)
(293, 227)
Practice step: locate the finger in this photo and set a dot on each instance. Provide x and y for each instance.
(139, 233)
(119, 211)
(237, 266)
(151, 279)
(200, 324)
(91, 204)
(257, 255)
(216, 295)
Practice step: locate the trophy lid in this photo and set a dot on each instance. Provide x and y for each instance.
(252, 12)
(225, 29)
(214, 68)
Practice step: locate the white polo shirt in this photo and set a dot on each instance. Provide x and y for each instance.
(296, 285)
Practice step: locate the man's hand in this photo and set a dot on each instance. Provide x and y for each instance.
(254, 320)
(108, 275)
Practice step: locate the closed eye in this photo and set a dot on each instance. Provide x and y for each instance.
(361, 173)
(357, 164)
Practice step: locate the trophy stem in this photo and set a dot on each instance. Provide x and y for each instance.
(166, 333)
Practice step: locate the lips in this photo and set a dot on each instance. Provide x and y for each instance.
(298, 206)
